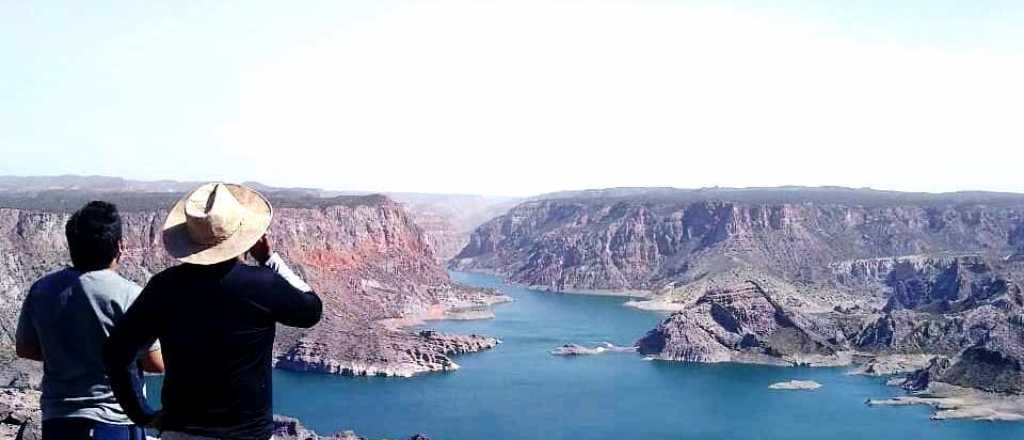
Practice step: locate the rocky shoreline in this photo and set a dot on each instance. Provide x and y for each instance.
(893, 364)
(951, 402)
(627, 293)
(474, 308)
(639, 294)
(405, 355)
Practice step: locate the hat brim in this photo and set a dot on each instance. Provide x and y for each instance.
(179, 243)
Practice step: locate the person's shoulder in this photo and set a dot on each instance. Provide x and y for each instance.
(168, 275)
(250, 272)
(109, 285)
(125, 285)
(253, 276)
(54, 281)
(171, 271)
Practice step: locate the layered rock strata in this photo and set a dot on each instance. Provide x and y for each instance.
(640, 240)
(747, 321)
(373, 266)
(970, 337)
(819, 276)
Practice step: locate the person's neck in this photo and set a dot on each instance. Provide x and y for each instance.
(217, 269)
(111, 267)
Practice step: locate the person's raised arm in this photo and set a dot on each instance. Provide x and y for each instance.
(292, 302)
(291, 305)
(134, 332)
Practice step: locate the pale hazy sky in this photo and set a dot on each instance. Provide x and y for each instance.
(518, 97)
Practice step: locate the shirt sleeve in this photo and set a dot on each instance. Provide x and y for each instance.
(292, 301)
(26, 335)
(277, 264)
(135, 332)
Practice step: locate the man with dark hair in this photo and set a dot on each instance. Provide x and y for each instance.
(215, 318)
(64, 323)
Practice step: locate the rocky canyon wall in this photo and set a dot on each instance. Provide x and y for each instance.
(375, 269)
(641, 243)
(787, 275)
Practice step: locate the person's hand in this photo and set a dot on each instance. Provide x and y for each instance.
(261, 250)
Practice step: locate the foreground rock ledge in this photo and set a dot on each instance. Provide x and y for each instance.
(20, 417)
(287, 428)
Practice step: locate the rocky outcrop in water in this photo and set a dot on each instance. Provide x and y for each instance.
(405, 355)
(580, 350)
(793, 385)
(373, 266)
(971, 337)
(746, 321)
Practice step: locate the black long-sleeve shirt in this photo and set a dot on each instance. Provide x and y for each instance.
(216, 329)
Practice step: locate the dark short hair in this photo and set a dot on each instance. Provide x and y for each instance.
(94, 236)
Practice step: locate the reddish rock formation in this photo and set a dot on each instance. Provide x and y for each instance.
(366, 257)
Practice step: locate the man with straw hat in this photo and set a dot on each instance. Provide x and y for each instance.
(215, 319)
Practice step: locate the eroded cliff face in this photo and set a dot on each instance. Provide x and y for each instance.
(617, 244)
(374, 268)
(786, 275)
(938, 283)
(964, 310)
(380, 272)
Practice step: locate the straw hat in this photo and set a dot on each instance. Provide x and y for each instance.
(216, 222)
